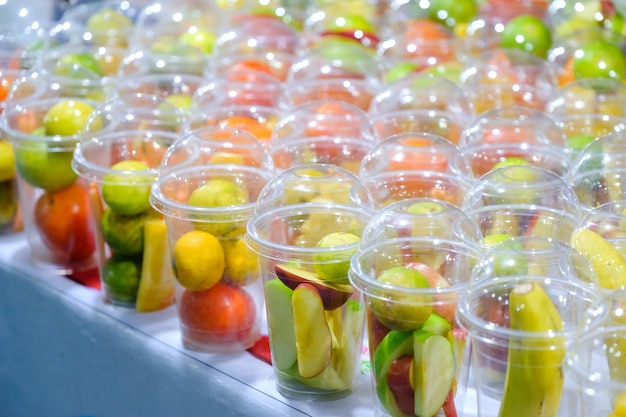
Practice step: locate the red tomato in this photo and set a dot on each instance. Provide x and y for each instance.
(223, 313)
(64, 221)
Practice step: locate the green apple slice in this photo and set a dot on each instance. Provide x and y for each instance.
(436, 324)
(386, 398)
(433, 372)
(280, 322)
(393, 345)
(328, 379)
(313, 337)
(351, 339)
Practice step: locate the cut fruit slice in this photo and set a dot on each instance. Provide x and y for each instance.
(280, 322)
(393, 345)
(313, 337)
(351, 339)
(433, 372)
(328, 379)
(333, 295)
(156, 285)
(388, 401)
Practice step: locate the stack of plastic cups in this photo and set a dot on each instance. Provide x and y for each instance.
(409, 165)
(324, 132)
(208, 185)
(307, 225)
(411, 268)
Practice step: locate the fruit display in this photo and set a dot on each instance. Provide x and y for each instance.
(8, 190)
(411, 287)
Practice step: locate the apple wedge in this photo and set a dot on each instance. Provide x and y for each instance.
(333, 295)
(433, 372)
(280, 323)
(313, 336)
(388, 400)
(393, 345)
(351, 339)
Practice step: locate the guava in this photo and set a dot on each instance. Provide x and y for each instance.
(7, 161)
(334, 265)
(218, 193)
(67, 117)
(121, 275)
(43, 168)
(126, 191)
(124, 234)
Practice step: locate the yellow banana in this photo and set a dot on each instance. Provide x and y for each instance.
(607, 262)
(534, 376)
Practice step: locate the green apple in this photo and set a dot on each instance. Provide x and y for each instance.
(7, 161)
(81, 59)
(334, 265)
(280, 323)
(126, 188)
(426, 221)
(313, 336)
(452, 12)
(403, 310)
(200, 38)
(433, 372)
(67, 117)
(508, 259)
(450, 70)
(350, 23)
(43, 168)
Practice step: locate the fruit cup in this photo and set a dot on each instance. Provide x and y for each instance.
(589, 96)
(10, 218)
(131, 238)
(411, 286)
(307, 225)
(580, 129)
(353, 24)
(520, 329)
(410, 165)
(54, 201)
(207, 202)
(514, 135)
(276, 64)
(521, 200)
(415, 120)
(258, 34)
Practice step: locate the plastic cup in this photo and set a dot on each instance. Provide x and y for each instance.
(357, 92)
(307, 225)
(581, 129)
(10, 218)
(176, 88)
(276, 64)
(258, 34)
(439, 123)
(520, 329)
(131, 239)
(206, 204)
(589, 96)
(54, 201)
(410, 288)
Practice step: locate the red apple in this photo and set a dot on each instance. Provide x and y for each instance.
(333, 295)
(399, 382)
(445, 303)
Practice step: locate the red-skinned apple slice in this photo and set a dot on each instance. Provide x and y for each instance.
(399, 382)
(433, 372)
(313, 337)
(445, 303)
(388, 401)
(376, 331)
(333, 295)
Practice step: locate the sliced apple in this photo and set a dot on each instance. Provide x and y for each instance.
(436, 324)
(328, 379)
(280, 323)
(399, 381)
(333, 295)
(445, 302)
(351, 339)
(388, 400)
(394, 345)
(313, 337)
(433, 372)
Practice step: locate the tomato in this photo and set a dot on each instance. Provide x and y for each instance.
(221, 314)
(63, 219)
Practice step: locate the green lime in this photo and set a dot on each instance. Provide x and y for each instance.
(121, 275)
(124, 234)
(528, 33)
(43, 168)
(127, 191)
(602, 59)
(67, 117)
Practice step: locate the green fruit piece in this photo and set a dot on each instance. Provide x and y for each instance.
(8, 202)
(437, 325)
(218, 193)
(280, 322)
(388, 400)
(43, 168)
(124, 234)
(202, 39)
(350, 344)
(67, 117)
(84, 60)
(506, 162)
(7, 161)
(334, 265)
(127, 191)
(109, 27)
(401, 310)
(578, 142)
(433, 372)
(313, 336)
(393, 345)
(121, 275)
(508, 259)
(400, 70)
(181, 101)
(528, 33)
(452, 12)
(450, 70)
(600, 59)
(327, 380)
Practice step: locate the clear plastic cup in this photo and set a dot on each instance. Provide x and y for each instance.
(131, 238)
(276, 64)
(257, 33)
(589, 96)
(428, 121)
(10, 216)
(176, 88)
(581, 129)
(410, 165)
(54, 201)
(207, 205)
(307, 225)
(356, 24)
(410, 288)
(520, 329)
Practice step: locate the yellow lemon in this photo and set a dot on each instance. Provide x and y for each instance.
(198, 260)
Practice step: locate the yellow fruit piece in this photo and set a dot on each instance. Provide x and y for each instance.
(619, 408)
(198, 260)
(242, 265)
(607, 262)
(156, 285)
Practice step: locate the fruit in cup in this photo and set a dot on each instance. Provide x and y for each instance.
(507, 256)
(452, 13)
(353, 26)
(124, 234)
(125, 192)
(105, 23)
(578, 142)
(445, 303)
(403, 311)
(43, 168)
(8, 202)
(222, 314)
(63, 220)
(512, 160)
(218, 193)
(334, 265)
(401, 70)
(67, 117)
(241, 264)
(200, 38)
(7, 161)
(528, 33)
(80, 59)
(539, 393)
(400, 383)
(280, 323)
(181, 101)
(607, 262)
(602, 59)
(333, 295)
(198, 260)
(121, 275)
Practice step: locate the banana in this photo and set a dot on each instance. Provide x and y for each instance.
(534, 376)
(607, 262)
